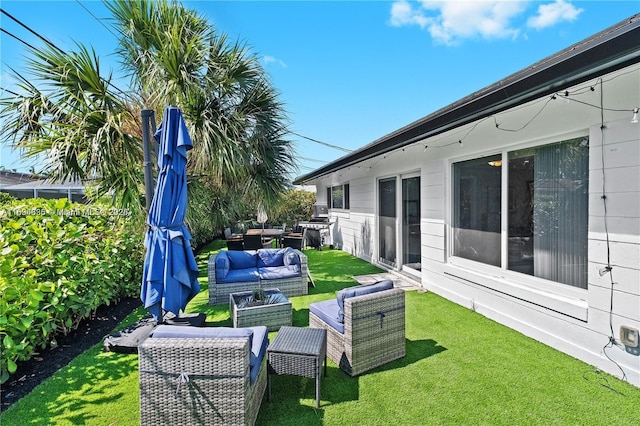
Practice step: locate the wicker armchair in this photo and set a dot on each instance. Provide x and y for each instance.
(199, 381)
(374, 331)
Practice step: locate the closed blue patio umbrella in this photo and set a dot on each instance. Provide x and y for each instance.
(170, 274)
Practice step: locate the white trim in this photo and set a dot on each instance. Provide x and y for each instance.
(570, 305)
(330, 201)
(504, 210)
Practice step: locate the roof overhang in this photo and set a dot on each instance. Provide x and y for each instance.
(607, 51)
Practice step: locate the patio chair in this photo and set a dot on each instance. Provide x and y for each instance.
(235, 243)
(255, 242)
(227, 233)
(202, 375)
(292, 241)
(365, 326)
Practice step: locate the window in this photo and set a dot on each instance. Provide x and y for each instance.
(338, 197)
(477, 210)
(546, 209)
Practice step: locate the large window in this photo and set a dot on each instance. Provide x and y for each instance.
(477, 209)
(338, 197)
(546, 207)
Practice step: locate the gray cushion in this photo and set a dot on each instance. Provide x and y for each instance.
(327, 311)
(259, 345)
(360, 290)
(173, 331)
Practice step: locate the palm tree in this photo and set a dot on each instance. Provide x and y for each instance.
(75, 120)
(89, 129)
(176, 58)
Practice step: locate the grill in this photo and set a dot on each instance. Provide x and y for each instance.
(317, 228)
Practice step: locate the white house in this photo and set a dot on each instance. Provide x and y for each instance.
(520, 201)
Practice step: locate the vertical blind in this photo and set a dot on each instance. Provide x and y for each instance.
(561, 212)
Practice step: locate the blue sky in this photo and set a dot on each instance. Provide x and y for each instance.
(348, 72)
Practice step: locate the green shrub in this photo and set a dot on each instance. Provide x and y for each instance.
(5, 198)
(60, 261)
(295, 205)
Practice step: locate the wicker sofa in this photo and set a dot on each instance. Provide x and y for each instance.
(365, 326)
(238, 271)
(202, 375)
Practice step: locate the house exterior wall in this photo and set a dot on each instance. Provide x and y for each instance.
(573, 320)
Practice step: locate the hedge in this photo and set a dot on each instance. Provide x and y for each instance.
(59, 262)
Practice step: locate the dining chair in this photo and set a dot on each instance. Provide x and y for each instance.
(235, 244)
(292, 241)
(255, 242)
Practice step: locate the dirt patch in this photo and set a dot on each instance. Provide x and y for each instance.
(39, 368)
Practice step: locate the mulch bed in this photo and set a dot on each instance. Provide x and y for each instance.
(39, 368)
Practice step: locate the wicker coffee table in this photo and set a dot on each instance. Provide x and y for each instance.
(273, 315)
(299, 352)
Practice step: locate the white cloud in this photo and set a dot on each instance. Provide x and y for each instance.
(553, 13)
(267, 59)
(451, 21)
(402, 13)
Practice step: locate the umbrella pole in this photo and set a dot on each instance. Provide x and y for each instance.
(147, 116)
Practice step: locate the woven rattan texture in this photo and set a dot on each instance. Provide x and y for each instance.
(298, 351)
(190, 381)
(272, 316)
(219, 293)
(374, 332)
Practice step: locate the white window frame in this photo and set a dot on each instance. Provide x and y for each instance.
(345, 197)
(559, 297)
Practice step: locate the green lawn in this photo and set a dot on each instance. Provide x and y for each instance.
(460, 368)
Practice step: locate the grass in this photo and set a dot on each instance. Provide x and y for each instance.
(460, 368)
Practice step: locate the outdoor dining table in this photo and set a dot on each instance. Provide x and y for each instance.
(266, 232)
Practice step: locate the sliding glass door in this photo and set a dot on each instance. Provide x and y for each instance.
(411, 224)
(399, 223)
(387, 221)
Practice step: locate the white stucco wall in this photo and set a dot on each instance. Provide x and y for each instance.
(575, 321)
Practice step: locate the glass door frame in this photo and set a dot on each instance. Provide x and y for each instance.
(383, 222)
(401, 235)
(398, 265)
